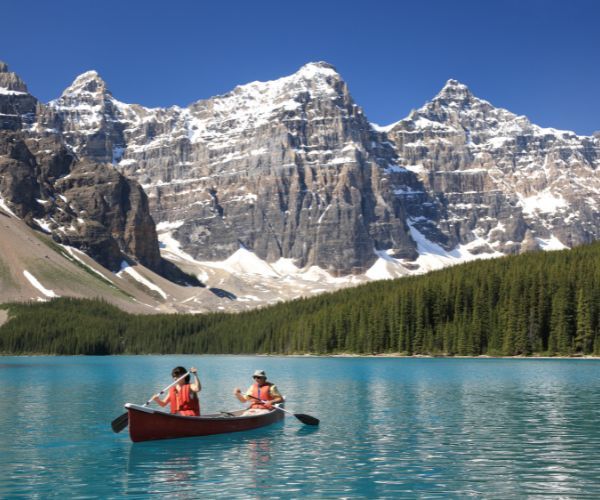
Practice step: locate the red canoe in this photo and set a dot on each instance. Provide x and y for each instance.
(146, 424)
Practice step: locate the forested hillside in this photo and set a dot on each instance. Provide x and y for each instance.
(537, 303)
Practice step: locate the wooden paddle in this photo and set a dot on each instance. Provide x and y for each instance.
(305, 419)
(122, 421)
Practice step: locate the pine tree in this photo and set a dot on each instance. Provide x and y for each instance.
(584, 335)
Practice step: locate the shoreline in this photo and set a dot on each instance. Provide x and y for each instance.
(427, 356)
(340, 356)
(415, 356)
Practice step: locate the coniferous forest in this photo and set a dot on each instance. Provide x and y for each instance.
(545, 303)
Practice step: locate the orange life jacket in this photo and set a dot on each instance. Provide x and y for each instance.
(261, 392)
(184, 401)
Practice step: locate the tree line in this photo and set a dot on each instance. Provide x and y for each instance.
(537, 303)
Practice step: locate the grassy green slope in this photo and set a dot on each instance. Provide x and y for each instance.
(538, 303)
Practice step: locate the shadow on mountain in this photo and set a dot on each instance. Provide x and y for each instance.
(223, 294)
(176, 275)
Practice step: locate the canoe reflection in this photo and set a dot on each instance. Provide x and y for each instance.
(177, 464)
(164, 463)
(259, 451)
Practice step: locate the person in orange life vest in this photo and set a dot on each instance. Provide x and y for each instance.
(261, 389)
(183, 397)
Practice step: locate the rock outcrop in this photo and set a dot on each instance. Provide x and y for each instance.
(80, 201)
(502, 180)
(16, 104)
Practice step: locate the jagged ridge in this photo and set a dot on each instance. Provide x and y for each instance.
(81, 202)
(293, 169)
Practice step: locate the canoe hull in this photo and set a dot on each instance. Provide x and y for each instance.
(148, 425)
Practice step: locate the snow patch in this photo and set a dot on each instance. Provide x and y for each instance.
(417, 169)
(385, 267)
(36, 284)
(126, 268)
(323, 214)
(498, 142)
(170, 245)
(432, 256)
(544, 202)
(5, 91)
(424, 123)
(127, 162)
(246, 262)
(44, 225)
(406, 191)
(285, 266)
(553, 243)
(4, 207)
(384, 128)
(169, 226)
(75, 253)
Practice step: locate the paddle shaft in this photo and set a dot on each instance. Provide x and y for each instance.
(300, 416)
(278, 407)
(168, 387)
(119, 423)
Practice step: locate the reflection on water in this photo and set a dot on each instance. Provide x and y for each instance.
(389, 428)
(259, 451)
(168, 466)
(306, 430)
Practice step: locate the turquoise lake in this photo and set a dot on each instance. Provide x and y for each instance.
(390, 428)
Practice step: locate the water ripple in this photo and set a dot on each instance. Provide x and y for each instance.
(389, 429)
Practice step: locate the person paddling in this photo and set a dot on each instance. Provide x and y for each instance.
(183, 397)
(262, 394)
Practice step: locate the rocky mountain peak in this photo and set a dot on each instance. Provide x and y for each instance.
(10, 82)
(88, 82)
(318, 69)
(319, 78)
(87, 105)
(454, 90)
(255, 104)
(456, 107)
(17, 105)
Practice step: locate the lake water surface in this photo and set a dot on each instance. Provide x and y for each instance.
(390, 428)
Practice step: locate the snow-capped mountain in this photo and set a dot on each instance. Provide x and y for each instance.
(293, 169)
(288, 169)
(501, 179)
(277, 182)
(79, 201)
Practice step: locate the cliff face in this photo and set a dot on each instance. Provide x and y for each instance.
(293, 169)
(16, 104)
(290, 168)
(81, 202)
(501, 179)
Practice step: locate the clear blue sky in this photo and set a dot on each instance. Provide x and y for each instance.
(540, 58)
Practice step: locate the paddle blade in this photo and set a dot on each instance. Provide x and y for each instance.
(119, 423)
(306, 419)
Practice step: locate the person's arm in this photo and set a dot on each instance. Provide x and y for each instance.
(277, 397)
(196, 386)
(161, 402)
(242, 398)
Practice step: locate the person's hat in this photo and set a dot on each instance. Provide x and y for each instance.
(260, 373)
